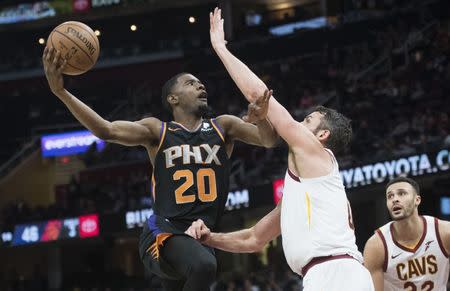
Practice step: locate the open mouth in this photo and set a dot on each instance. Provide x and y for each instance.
(203, 96)
(396, 209)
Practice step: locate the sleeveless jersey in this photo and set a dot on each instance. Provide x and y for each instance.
(316, 219)
(190, 174)
(425, 267)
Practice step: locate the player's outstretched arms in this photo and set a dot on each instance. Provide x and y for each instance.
(129, 133)
(248, 240)
(293, 132)
(374, 261)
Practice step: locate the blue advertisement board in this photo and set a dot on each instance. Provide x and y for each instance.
(70, 143)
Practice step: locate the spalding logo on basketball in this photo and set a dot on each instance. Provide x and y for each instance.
(78, 45)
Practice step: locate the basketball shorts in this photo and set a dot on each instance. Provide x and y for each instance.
(338, 275)
(155, 232)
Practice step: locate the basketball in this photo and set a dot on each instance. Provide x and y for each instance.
(78, 44)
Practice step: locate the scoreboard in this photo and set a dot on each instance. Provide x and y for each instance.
(56, 229)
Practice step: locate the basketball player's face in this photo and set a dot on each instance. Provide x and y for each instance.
(192, 93)
(312, 122)
(401, 200)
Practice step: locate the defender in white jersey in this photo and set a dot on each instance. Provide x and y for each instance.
(318, 239)
(410, 252)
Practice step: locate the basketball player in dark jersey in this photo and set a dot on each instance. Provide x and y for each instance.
(190, 171)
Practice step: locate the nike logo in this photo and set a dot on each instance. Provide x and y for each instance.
(174, 129)
(393, 257)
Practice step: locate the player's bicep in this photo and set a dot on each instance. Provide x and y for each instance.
(374, 257)
(237, 129)
(247, 132)
(135, 133)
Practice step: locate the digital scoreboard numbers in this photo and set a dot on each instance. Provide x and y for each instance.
(27, 234)
(57, 229)
(70, 228)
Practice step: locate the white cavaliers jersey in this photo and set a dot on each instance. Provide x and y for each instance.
(425, 267)
(316, 219)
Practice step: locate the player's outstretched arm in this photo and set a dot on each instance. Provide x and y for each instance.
(293, 132)
(248, 240)
(250, 85)
(374, 260)
(123, 132)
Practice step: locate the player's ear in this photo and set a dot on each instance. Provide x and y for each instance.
(323, 134)
(418, 199)
(172, 99)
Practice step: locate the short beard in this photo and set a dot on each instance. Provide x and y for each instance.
(407, 213)
(204, 111)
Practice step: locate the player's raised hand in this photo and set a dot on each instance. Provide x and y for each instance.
(53, 68)
(216, 31)
(257, 110)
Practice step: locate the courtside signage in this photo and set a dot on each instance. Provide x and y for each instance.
(237, 200)
(70, 143)
(278, 186)
(137, 218)
(412, 166)
(56, 229)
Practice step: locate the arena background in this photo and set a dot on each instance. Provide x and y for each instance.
(71, 206)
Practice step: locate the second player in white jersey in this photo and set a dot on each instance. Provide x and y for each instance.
(424, 267)
(316, 219)
(410, 252)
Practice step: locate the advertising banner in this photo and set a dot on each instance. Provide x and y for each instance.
(26, 12)
(383, 171)
(70, 143)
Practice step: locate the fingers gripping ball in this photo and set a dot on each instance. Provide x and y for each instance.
(78, 44)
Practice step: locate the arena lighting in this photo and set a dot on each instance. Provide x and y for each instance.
(41, 40)
(133, 27)
(97, 32)
(192, 19)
